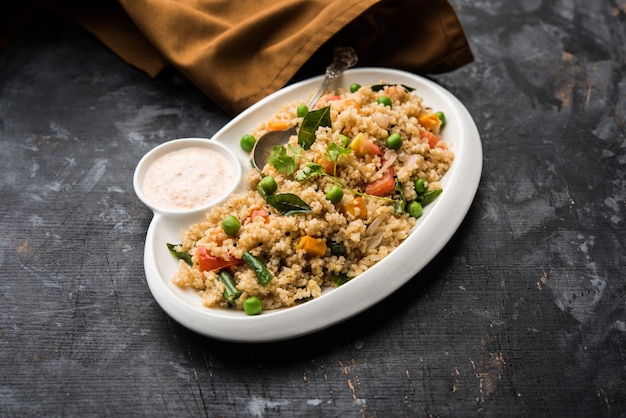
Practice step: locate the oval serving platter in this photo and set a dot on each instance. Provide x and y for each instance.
(438, 223)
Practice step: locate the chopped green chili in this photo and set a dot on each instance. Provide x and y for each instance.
(262, 273)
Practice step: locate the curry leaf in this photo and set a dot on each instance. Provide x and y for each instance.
(310, 123)
(340, 279)
(288, 204)
(378, 87)
(182, 255)
(336, 248)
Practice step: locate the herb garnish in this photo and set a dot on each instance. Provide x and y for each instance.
(339, 279)
(288, 204)
(333, 152)
(400, 203)
(378, 87)
(283, 163)
(310, 123)
(182, 255)
(286, 161)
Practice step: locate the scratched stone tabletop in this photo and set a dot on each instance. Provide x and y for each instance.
(523, 312)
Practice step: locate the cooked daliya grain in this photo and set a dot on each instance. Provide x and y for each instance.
(290, 258)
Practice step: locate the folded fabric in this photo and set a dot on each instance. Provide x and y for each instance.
(237, 52)
(105, 19)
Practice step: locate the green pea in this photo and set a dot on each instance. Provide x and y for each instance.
(421, 185)
(302, 110)
(334, 194)
(394, 141)
(267, 186)
(414, 208)
(231, 225)
(252, 305)
(384, 100)
(442, 117)
(345, 140)
(354, 87)
(247, 142)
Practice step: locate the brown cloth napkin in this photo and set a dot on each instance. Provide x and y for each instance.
(239, 51)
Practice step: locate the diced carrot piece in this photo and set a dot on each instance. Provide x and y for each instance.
(277, 126)
(353, 103)
(314, 247)
(332, 97)
(259, 212)
(429, 121)
(327, 166)
(356, 208)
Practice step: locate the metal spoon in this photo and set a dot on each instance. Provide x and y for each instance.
(343, 58)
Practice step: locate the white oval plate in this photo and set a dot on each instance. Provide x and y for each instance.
(433, 230)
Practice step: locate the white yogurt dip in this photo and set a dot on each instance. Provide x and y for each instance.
(188, 178)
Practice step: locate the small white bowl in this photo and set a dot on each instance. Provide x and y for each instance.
(176, 145)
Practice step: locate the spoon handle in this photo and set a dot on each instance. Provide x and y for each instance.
(343, 58)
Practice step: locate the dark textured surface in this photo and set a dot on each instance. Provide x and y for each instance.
(522, 314)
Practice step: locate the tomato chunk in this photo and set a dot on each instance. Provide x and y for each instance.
(363, 146)
(382, 186)
(430, 137)
(208, 262)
